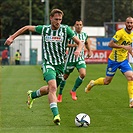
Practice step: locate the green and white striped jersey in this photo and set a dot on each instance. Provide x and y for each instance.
(71, 57)
(54, 43)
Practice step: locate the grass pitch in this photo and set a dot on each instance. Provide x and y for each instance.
(107, 106)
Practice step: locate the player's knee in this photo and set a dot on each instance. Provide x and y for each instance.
(52, 88)
(130, 78)
(82, 75)
(106, 82)
(44, 90)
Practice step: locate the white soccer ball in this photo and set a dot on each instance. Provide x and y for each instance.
(82, 120)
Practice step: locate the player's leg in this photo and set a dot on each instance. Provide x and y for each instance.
(62, 85)
(53, 100)
(78, 82)
(49, 74)
(51, 78)
(40, 92)
(99, 81)
(80, 78)
(110, 72)
(130, 92)
(59, 75)
(69, 67)
(81, 67)
(127, 70)
(36, 94)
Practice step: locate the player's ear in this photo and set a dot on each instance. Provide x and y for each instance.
(50, 17)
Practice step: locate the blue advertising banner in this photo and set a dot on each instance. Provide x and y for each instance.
(102, 43)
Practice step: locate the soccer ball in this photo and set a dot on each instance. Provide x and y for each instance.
(82, 120)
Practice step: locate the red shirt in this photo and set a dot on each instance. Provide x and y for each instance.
(5, 54)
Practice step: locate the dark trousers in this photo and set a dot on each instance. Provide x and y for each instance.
(5, 61)
(17, 62)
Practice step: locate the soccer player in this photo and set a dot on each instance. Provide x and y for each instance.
(55, 38)
(73, 62)
(121, 44)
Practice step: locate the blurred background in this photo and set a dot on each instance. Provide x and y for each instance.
(101, 19)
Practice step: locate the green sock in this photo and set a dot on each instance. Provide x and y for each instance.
(62, 84)
(54, 108)
(78, 82)
(35, 94)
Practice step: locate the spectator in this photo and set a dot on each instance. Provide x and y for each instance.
(17, 57)
(5, 54)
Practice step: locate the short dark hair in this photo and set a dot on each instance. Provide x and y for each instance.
(77, 20)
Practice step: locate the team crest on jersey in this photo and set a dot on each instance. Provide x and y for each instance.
(109, 69)
(53, 39)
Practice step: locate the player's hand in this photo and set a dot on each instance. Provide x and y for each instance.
(128, 48)
(77, 53)
(9, 41)
(89, 54)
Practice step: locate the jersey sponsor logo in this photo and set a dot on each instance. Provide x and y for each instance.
(126, 43)
(111, 73)
(53, 39)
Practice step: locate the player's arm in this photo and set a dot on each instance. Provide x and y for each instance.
(79, 47)
(129, 49)
(112, 44)
(72, 45)
(19, 32)
(76, 40)
(87, 46)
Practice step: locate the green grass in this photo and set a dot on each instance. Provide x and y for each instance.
(106, 105)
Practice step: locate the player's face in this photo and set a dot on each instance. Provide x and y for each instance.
(78, 26)
(56, 21)
(129, 24)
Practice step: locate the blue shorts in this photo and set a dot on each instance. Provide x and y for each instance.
(112, 66)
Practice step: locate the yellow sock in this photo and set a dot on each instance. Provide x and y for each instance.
(130, 89)
(99, 81)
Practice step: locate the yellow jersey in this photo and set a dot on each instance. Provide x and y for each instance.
(121, 37)
(17, 56)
